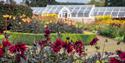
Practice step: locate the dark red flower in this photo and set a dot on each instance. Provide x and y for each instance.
(57, 45)
(94, 41)
(122, 55)
(42, 43)
(64, 45)
(19, 56)
(114, 60)
(79, 47)
(19, 47)
(47, 31)
(6, 43)
(1, 52)
(70, 47)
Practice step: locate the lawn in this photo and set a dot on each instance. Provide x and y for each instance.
(29, 38)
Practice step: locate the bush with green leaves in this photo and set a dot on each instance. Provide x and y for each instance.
(62, 27)
(107, 30)
(14, 11)
(34, 26)
(29, 38)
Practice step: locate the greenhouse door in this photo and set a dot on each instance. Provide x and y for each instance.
(65, 13)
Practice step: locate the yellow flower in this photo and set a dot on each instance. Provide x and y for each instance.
(14, 18)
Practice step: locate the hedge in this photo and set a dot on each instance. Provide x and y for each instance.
(29, 38)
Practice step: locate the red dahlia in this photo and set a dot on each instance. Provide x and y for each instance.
(57, 45)
(1, 52)
(79, 47)
(6, 43)
(114, 60)
(94, 41)
(122, 55)
(70, 47)
(42, 43)
(19, 47)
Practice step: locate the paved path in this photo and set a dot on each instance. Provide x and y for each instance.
(110, 46)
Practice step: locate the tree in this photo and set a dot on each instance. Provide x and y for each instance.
(97, 2)
(10, 2)
(39, 3)
(115, 2)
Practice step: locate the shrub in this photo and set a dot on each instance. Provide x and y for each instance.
(29, 38)
(14, 11)
(62, 27)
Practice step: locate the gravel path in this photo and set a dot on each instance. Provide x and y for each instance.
(110, 46)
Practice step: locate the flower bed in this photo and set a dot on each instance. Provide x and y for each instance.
(56, 51)
(29, 38)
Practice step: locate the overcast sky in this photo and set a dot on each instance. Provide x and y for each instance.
(79, 1)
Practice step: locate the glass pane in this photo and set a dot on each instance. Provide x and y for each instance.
(80, 14)
(122, 9)
(107, 13)
(102, 9)
(85, 14)
(82, 10)
(114, 13)
(121, 14)
(116, 9)
(95, 13)
(73, 14)
(76, 9)
(109, 9)
(100, 13)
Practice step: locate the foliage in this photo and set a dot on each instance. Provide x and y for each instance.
(64, 28)
(109, 28)
(43, 3)
(103, 18)
(32, 27)
(57, 25)
(97, 2)
(29, 38)
(39, 3)
(43, 50)
(13, 13)
(115, 3)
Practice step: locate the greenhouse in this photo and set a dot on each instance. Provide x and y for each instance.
(115, 12)
(80, 11)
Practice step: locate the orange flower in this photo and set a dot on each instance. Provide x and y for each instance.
(1, 46)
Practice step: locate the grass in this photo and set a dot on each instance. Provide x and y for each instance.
(29, 38)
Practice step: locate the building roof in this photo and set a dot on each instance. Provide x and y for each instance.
(37, 10)
(82, 10)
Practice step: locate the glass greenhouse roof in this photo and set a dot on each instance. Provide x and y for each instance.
(116, 12)
(82, 10)
(76, 10)
(37, 10)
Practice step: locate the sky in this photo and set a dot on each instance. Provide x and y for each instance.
(79, 1)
